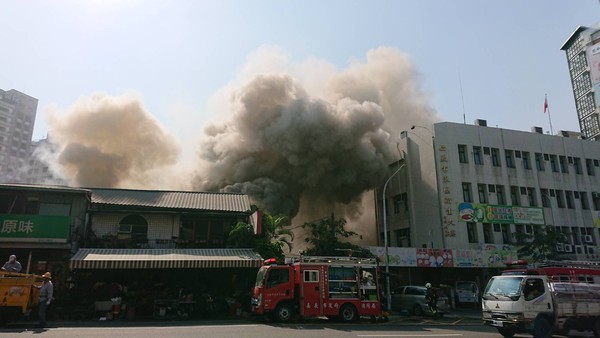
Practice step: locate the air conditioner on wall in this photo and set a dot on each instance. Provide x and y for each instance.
(591, 250)
(568, 247)
(588, 238)
(560, 247)
(579, 249)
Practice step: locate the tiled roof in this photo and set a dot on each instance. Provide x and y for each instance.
(189, 200)
(165, 258)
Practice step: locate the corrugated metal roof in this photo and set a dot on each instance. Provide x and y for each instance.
(209, 201)
(40, 187)
(165, 259)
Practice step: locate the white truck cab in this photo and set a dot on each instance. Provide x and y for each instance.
(533, 304)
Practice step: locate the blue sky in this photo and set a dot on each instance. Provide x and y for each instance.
(178, 54)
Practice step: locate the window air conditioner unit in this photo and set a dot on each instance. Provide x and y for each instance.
(596, 195)
(568, 247)
(560, 247)
(588, 239)
(579, 249)
(591, 250)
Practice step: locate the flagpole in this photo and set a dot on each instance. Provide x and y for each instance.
(547, 108)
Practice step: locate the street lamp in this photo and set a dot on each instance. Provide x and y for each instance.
(385, 243)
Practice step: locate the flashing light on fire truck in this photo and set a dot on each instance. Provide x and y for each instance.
(270, 261)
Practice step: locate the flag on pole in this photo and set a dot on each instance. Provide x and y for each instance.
(545, 104)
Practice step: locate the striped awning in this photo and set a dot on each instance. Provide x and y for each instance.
(165, 259)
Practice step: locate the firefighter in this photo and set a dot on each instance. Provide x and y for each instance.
(431, 299)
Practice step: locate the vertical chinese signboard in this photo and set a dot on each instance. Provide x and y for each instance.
(34, 228)
(447, 204)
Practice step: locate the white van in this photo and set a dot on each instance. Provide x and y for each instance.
(467, 292)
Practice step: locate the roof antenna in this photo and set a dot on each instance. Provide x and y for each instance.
(462, 97)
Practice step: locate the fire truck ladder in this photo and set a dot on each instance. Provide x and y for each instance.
(573, 264)
(339, 260)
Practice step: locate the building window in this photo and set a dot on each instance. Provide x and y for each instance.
(133, 229)
(563, 164)
(500, 194)
(539, 161)
(506, 234)
(560, 201)
(397, 203)
(402, 237)
(477, 159)
(462, 154)
(488, 234)
(467, 196)
(585, 204)
(569, 198)
(472, 232)
(596, 200)
(495, 157)
(526, 160)
(554, 163)
(482, 192)
(589, 165)
(509, 155)
(545, 198)
(515, 198)
(577, 164)
(531, 197)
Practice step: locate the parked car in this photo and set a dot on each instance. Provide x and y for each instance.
(412, 299)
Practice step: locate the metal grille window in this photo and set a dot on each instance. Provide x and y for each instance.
(531, 197)
(554, 163)
(585, 204)
(539, 161)
(545, 198)
(563, 164)
(526, 161)
(500, 194)
(569, 198)
(472, 232)
(495, 157)
(482, 192)
(467, 196)
(510, 158)
(477, 158)
(488, 234)
(560, 200)
(577, 164)
(589, 165)
(514, 195)
(462, 153)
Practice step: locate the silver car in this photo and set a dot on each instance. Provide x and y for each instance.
(412, 299)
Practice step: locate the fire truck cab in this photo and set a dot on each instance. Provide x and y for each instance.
(335, 287)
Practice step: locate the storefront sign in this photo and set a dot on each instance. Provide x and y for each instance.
(34, 228)
(500, 214)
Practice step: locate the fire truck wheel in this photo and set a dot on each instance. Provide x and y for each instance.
(597, 328)
(348, 313)
(283, 313)
(508, 333)
(542, 327)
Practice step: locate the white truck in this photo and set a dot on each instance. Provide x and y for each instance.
(533, 304)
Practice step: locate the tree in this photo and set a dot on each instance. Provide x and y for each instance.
(270, 243)
(325, 235)
(541, 246)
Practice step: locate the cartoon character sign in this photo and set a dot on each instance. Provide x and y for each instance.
(466, 212)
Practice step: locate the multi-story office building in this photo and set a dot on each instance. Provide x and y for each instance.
(471, 187)
(583, 57)
(17, 118)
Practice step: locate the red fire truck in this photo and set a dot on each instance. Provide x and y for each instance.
(335, 287)
(558, 271)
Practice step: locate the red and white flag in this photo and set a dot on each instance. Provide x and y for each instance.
(545, 104)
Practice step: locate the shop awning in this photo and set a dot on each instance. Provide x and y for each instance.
(165, 259)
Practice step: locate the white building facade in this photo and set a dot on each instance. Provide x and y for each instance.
(473, 187)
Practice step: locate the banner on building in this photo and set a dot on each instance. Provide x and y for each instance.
(34, 228)
(500, 214)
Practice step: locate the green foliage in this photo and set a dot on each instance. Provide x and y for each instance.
(541, 246)
(325, 236)
(270, 243)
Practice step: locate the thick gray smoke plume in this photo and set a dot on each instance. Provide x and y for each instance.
(283, 146)
(108, 141)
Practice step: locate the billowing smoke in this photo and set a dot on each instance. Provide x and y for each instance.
(318, 147)
(108, 141)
